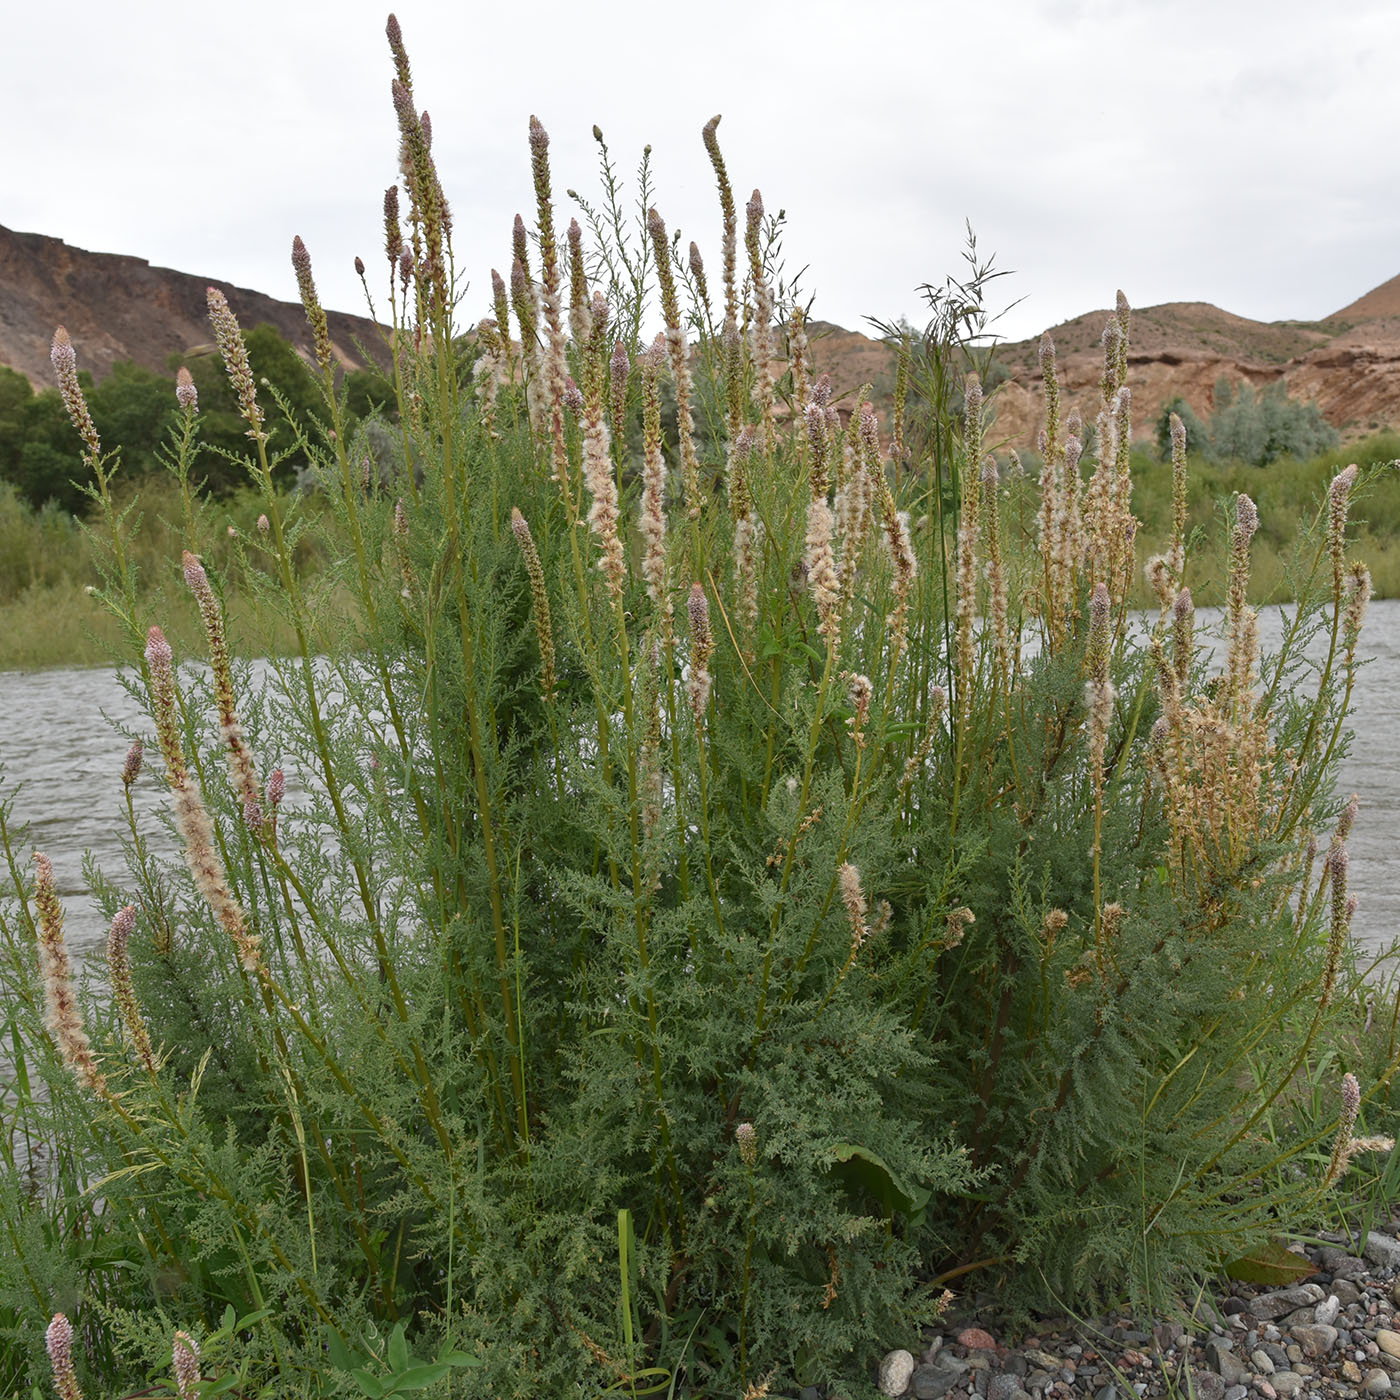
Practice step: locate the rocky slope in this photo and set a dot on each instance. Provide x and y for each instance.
(122, 308)
(118, 307)
(1349, 363)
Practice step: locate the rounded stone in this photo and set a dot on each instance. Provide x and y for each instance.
(932, 1381)
(976, 1339)
(1003, 1386)
(896, 1371)
(1388, 1341)
(1377, 1382)
(1208, 1386)
(1263, 1362)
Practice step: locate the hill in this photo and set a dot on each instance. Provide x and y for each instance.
(121, 308)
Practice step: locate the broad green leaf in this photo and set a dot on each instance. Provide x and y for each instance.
(369, 1383)
(460, 1358)
(336, 1350)
(864, 1170)
(399, 1359)
(417, 1377)
(1272, 1263)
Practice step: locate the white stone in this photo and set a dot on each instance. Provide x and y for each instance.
(896, 1371)
(1388, 1341)
(1327, 1310)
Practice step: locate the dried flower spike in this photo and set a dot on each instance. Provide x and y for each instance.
(191, 818)
(747, 1142)
(702, 646)
(131, 768)
(544, 631)
(65, 365)
(185, 1362)
(853, 897)
(123, 993)
(240, 758)
(61, 1015)
(59, 1341)
(311, 303)
(234, 353)
(186, 395)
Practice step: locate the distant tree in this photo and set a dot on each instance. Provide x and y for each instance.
(47, 460)
(1254, 428)
(1197, 434)
(223, 433)
(133, 406)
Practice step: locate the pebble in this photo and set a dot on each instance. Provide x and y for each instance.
(1207, 1385)
(1268, 1307)
(1382, 1250)
(930, 1382)
(896, 1371)
(976, 1339)
(1335, 1336)
(1316, 1339)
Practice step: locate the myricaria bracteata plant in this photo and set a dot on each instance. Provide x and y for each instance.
(730, 878)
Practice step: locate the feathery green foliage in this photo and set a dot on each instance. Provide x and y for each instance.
(710, 904)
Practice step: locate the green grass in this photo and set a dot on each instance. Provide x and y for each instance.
(50, 615)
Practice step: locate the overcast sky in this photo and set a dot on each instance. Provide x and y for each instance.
(1242, 152)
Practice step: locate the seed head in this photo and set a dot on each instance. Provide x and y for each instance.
(185, 1353)
(186, 395)
(393, 234)
(311, 303)
(62, 1016)
(123, 993)
(65, 364)
(59, 1340)
(234, 353)
(702, 645)
(534, 570)
(1246, 517)
(131, 769)
(747, 1142)
(853, 897)
(1096, 655)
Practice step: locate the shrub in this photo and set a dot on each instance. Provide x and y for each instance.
(696, 909)
(1249, 427)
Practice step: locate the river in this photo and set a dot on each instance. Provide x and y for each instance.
(58, 747)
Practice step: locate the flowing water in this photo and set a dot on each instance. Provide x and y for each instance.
(66, 759)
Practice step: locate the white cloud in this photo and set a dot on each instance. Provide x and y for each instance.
(1240, 151)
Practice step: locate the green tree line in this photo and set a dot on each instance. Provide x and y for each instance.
(41, 455)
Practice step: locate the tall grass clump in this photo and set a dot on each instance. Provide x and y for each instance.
(714, 894)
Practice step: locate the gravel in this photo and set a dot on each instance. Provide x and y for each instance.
(1334, 1336)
